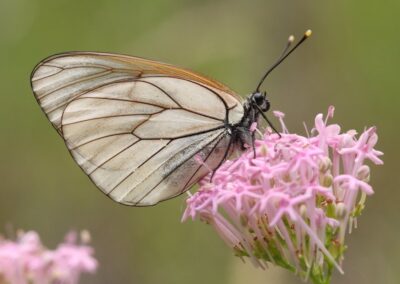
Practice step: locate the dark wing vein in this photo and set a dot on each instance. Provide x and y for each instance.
(184, 136)
(110, 116)
(151, 156)
(199, 167)
(88, 91)
(122, 100)
(194, 82)
(173, 170)
(189, 110)
(112, 157)
(86, 78)
(99, 138)
(154, 85)
(132, 80)
(53, 74)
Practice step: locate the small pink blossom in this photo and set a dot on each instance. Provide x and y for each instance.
(26, 260)
(292, 203)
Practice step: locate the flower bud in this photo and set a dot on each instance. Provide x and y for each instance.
(363, 173)
(341, 210)
(325, 164)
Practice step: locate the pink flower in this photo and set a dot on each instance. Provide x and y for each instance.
(292, 204)
(26, 260)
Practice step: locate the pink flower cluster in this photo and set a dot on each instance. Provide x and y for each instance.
(26, 260)
(292, 203)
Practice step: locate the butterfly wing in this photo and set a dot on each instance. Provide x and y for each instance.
(136, 127)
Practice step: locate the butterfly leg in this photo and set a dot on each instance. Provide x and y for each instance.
(253, 144)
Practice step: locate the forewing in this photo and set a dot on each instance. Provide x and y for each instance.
(59, 79)
(138, 134)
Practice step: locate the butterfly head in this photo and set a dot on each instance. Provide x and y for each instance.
(257, 104)
(260, 101)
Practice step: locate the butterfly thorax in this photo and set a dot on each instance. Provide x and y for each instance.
(255, 104)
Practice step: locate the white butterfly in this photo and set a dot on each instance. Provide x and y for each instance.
(138, 127)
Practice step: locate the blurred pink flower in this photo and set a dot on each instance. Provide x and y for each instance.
(291, 205)
(26, 260)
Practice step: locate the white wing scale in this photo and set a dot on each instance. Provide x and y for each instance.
(137, 138)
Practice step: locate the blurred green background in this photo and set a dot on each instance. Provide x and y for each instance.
(351, 61)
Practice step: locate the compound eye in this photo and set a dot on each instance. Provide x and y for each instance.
(259, 99)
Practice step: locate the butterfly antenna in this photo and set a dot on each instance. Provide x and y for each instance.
(285, 53)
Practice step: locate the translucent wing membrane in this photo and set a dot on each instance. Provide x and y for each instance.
(136, 127)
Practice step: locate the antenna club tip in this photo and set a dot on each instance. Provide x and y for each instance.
(291, 38)
(308, 33)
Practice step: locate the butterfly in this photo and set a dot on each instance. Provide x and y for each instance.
(144, 131)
